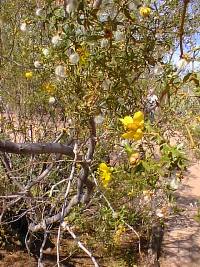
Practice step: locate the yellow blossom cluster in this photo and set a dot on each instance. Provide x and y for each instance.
(29, 74)
(144, 11)
(105, 174)
(133, 126)
(49, 88)
(118, 234)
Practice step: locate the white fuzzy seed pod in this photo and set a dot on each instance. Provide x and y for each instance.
(52, 100)
(38, 12)
(37, 64)
(56, 40)
(23, 27)
(45, 52)
(60, 71)
(74, 58)
(104, 43)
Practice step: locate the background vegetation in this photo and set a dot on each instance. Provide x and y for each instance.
(69, 72)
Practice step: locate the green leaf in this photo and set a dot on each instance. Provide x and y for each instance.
(128, 149)
(186, 77)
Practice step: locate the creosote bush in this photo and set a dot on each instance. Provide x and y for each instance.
(78, 151)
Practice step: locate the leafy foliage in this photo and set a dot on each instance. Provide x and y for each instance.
(63, 66)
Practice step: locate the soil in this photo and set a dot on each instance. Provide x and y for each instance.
(70, 255)
(181, 244)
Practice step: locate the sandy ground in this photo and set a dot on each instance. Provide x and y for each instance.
(181, 244)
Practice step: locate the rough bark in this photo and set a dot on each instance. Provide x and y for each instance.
(36, 148)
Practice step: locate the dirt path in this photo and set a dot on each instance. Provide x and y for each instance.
(181, 244)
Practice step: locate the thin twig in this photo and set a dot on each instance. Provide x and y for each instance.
(55, 185)
(42, 248)
(80, 244)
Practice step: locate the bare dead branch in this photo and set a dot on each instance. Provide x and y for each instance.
(36, 148)
(42, 248)
(81, 196)
(44, 174)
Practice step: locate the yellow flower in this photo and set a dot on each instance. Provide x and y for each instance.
(144, 11)
(138, 135)
(133, 123)
(29, 75)
(118, 234)
(186, 57)
(128, 135)
(139, 116)
(133, 126)
(127, 120)
(49, 88)
(105, 174)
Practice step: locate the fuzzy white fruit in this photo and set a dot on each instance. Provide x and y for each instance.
(99, 119)
(103, 17)
(71, 6)
(74, 58)
(104, 43)
(119, 36)
(23, 27)
(60, 71)
(159, 213)
(174, 183)
(45, 52)
(132, 6)
(56, 40)
(38, 12)
(37, 64)
(158, 70)
(106, 84)
(52, 100)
